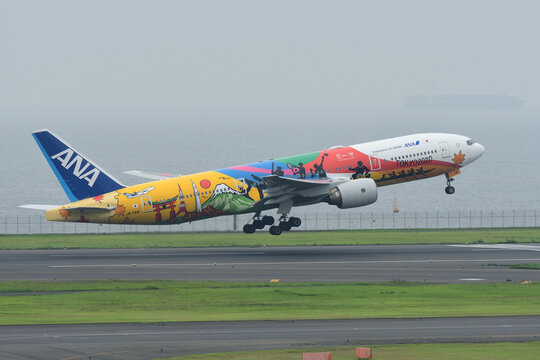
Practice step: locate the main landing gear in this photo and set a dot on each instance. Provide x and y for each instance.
(260, 222)
(449, 189)
(285, 225)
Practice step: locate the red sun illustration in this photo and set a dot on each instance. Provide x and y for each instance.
(205, 184)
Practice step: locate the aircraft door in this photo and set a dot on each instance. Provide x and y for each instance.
(375, 163)
(241, 186)
(445, 150)
(146, 202)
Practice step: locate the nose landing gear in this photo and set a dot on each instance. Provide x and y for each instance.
(449, 189)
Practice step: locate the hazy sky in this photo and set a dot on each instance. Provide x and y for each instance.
(249, 54)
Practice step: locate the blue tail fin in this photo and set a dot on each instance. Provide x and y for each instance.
(78, 175)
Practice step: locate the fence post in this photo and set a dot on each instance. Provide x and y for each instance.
(415, 226)
(481, 218)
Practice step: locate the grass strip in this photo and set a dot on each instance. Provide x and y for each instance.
(487, 351)
(533, 266)
(293, 238)
(171, 301)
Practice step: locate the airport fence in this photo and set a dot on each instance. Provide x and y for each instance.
(311, 221)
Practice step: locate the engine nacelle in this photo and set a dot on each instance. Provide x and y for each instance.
(354, 193)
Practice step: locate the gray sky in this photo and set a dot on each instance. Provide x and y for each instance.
(250, 54)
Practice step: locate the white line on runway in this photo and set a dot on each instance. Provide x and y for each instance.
(281, 263)
(472, 279)
(501, 246)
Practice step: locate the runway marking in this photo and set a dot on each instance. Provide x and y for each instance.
(156, 254)
(281, 263)
(472, 279)
(501, 246)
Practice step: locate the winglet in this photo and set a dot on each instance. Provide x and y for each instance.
(79, 176)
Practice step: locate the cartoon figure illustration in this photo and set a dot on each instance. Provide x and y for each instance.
(278, 171)
(301, 170)
(319, 170)
(360, 171)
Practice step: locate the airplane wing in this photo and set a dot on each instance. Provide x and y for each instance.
(150, 174)
(280, 189)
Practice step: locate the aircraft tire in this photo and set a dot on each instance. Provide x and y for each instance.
(285, 225)
(268, 220)
(258, 224)
(249, 229)
(275, 230)
(450, 190)
(295, 222)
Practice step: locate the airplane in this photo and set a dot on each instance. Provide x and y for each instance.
(344, 176)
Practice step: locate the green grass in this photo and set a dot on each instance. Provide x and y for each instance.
(164, 301)
(525, 266)
(294, 238)
(488, 351)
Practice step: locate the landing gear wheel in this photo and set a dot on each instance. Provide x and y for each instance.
(295, 222)
(258, 224)
(249, 229)
(450, 190)
(275, 230)
(268, 220)
(285, 225)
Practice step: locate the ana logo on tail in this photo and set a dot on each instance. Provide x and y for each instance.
(65, 158)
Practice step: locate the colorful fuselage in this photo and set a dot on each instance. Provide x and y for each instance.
(236, 189)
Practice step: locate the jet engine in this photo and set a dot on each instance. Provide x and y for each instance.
(354, 193)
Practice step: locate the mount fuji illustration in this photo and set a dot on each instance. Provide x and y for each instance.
(227, 199)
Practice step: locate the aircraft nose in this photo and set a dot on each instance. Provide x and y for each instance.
(477, 151)
(480, 149)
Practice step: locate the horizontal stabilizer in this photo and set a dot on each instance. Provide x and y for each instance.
(150, 174)
(39, 207)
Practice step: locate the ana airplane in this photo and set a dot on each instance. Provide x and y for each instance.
(344, 176)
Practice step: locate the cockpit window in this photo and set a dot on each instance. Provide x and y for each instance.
(470, 142)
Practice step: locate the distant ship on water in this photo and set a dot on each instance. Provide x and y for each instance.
(492, 102)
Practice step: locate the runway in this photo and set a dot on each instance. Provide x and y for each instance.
(146, 341)
(425, 263)
(374, 263)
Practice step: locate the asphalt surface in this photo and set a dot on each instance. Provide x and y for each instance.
(425, 263)
(147, 341)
